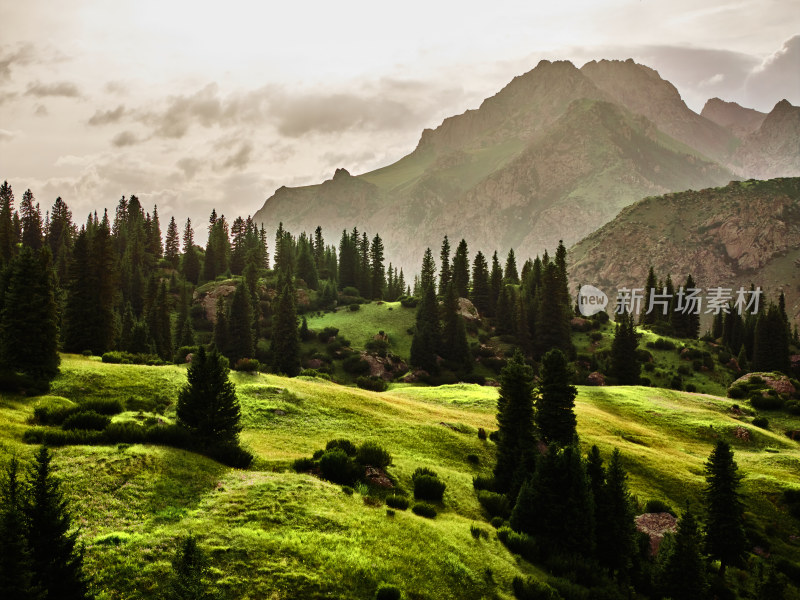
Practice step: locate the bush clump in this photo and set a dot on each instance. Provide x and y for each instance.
(326, 334)
(372, 383)
(247, 365)
(372, 454)
(347, 446)
(761, 422)
(496, 505)
(423, 509)
(427, 485)
(658, 506)
(355, 365)
(337, 467)
(396, 501)
(128, 358)
(87, 419)
(388, 592)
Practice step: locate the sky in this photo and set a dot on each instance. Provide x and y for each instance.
(193, 105)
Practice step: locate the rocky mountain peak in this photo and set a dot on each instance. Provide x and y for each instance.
(738, 119)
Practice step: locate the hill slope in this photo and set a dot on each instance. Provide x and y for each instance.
(274, 533)
(746, 232)
(553, 155)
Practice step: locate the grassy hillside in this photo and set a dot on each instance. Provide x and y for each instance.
(274, 533)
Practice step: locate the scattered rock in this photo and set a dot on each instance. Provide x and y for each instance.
(655, 525)
(467, 310)
(778, 382)
(189, 357)
(733, 365)
(314, 363)
(414, 376)
(210, 298)
(596, 378)
(384, 367)
(378, 477)
(278, 411)
(580, 324)
(741, 434)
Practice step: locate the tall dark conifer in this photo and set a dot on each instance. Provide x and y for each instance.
(461, 270)
(481, 291)
(725, 540)
(555, 406)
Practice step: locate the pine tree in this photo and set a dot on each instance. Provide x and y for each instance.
(154, 245)
(59, 238)
(771, 342)
(625, 362)
(29, 317)
(616, 529)
(31, 220)
(190, 573)
(427, 277)
(364, 270)
(686, 322)
(515, 422)
(455, 347)
(427, 336)
(682, 571)
(724, 524)
(17, 577)
(555, 505)
(158, 323)
(555, 406)
(172, 244)
(495, 284)
(57, 558)
(7, 235)
(285, 338)
(481, 292)
(190, 264)
(445, 274)
(650, 287)
(207, 406)
(553, 315)
(504, 312)
(241, 342)
(306, 267)
(461, 270)
(376, 267)
(511, 275)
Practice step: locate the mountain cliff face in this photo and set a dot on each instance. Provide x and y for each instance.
(553, 155)
(746, 232)
(739, 120)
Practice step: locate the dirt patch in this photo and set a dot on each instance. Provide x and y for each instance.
(655, 525)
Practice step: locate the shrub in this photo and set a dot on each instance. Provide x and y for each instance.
(354, 307)
(496, 505)
(595, 336)
(409, 302)
(533, 589)
(389, 511)
(398, 502)
(351, 291)
(481, 433)
(347, 446)
(372, 501)
(478, 532)
(327, 333)
(348, 491)
(315, 373)
(662, 344)
(370, 453)
(355, 365)
(473, 458)
(737, 392)
(760, 402)
(676, 383)
(182, 352)
(497, 522)
(427, 487)
(483, 482)
(423, 509)
(388, 592)
(303, 465)
(372, 383)
(248, 365)
(337, 467)
(761, 422)
(684, 370)
(377, 347)
(519, 543)
(133, 359)
(658, 506)
(89, 420)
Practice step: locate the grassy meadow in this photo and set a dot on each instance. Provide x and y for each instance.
(274, 533)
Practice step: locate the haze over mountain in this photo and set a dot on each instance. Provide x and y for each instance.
(554, 155)
(746, 232)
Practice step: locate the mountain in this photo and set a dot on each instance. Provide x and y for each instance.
(553, 155)
(739, 120)
(746, 232)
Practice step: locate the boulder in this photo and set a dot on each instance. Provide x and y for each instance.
(467, 310)
(777, 381)
(655, 525)
(596, 378)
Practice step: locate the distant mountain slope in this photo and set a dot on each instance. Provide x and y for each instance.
(744, 232)
(553, 155)
(741, 121)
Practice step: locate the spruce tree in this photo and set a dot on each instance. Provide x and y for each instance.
(511, 275)
(552, 314)
(505, 312)
(650, 287)
(495, 284)
(481, 291)
(461, 270)
(31, 220)
(190, 264)
(17, 577)
(445, 274)
(207, 405)
(555, 406)
(172, 244)
(285, 337)
(241, 343)
(428, 272)
(682, 572)
(515, 437)
(376, 268)
(190, 573)
(726, 540)
(427, 334)
(625, 363)
(686, 322)
(7, 235)
(57, 558)
(455, 347)
(29, 317)
(771, 342)
(616, 529)
(306, 267)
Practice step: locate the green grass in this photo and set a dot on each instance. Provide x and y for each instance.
(360, 327)
(273, 533)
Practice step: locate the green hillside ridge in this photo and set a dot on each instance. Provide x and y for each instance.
(271, 532)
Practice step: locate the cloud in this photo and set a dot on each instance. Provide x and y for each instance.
(22, 55)
(105, 117)
(41, 111)
(6, 135)
(776, 78)
(125, 138)
(65, 89)
(189, 166)
(240, 158)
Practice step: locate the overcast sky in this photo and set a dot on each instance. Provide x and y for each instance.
(196, 104)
